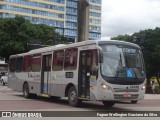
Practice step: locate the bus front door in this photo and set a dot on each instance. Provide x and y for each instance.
(84, 74)
(46, 71)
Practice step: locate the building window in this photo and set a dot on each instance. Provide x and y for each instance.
(70, 59)
(95, 1)
(71, 4)
(95, 14)
(71, 18)
(94, 35)
(94, 7)
(59, 30)
(95, 21)
(71, 25)
(69, 32)
(32, 11)
(95, 29)
(58, 57)
(71, 11)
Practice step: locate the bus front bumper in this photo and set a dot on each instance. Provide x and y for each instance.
(104, 95)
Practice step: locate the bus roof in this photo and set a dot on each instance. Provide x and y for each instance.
(83, 43)
(119, 42)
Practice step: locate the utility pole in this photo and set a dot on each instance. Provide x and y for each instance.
(82, 20)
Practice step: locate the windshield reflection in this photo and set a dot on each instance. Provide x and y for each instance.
(122, 61)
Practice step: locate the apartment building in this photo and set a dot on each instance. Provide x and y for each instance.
(61, 14)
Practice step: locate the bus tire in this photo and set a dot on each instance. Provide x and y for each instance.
(134, 101)
(3, 83)
(73, 97)
(108, 103)
(54, 98)
(32, 95)
(26, 93)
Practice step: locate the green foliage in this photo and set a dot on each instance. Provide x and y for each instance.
(122, 37)
(149, 41)
(16, 32)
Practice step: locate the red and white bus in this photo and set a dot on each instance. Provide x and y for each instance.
(106, 71)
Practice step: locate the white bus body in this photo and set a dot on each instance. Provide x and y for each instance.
(106, 71)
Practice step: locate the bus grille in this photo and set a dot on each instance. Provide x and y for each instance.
(125, 90)
(118, 96)
(132, 88)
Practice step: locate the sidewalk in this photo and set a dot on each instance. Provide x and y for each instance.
(152, 96)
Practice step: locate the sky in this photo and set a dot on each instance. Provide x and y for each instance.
(120, 17)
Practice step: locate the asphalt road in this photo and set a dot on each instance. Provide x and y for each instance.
(14, 101)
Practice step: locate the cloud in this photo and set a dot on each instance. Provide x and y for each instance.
(129, 16)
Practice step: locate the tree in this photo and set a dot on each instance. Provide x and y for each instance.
(16, 32)
(122, 37)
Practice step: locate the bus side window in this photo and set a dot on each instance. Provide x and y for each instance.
(19, 64)
(58, 57)
(27, 66)
(94, 63)
(70, 59)
(36, 63)
(12, 63)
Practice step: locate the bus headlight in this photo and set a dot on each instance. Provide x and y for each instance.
(144, 87)
(104, 86)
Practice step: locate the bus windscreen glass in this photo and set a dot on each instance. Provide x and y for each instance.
(122, 61)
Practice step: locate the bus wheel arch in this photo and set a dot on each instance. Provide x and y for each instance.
(67, 89)
(26, 92)
(72, 94)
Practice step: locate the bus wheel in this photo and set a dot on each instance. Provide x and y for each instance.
(73, 97)
(134, 101)
(54, 98)
(108, 103)
(3, 83)
(26, 90)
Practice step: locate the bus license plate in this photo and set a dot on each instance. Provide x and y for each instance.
(126, 95)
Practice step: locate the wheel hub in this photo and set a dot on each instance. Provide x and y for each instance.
(73, 96)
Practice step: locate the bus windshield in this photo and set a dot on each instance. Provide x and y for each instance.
(122, 61)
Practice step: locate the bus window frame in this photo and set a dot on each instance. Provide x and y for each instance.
(54, 66)
(24, 69)
(17, 66)
(75, 59)
(14, 67)
(39, 67)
